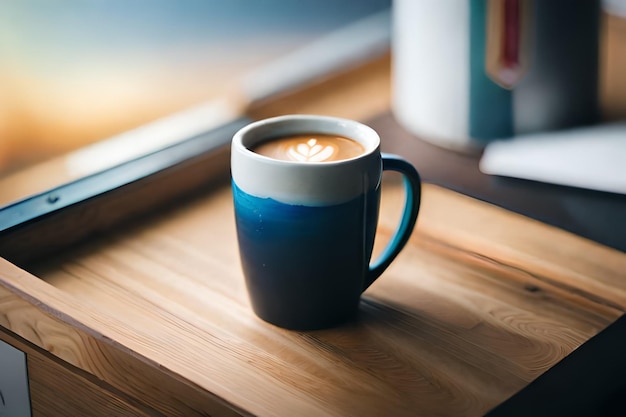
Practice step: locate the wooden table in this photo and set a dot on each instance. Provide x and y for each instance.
(154, 319)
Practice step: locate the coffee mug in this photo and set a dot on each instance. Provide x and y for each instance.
(306, 194)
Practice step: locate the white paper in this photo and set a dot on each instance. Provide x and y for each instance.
(591, 157)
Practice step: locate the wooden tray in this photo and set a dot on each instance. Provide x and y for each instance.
(154, 319)
(479, 304)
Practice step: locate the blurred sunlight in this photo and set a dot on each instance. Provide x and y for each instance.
(74, 72)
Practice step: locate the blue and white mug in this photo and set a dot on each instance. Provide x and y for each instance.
(306, 229)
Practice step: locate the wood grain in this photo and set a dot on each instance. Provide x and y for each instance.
(57, 389)
(72, 331)
(471, 311)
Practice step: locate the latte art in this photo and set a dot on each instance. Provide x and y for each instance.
(310, 148)
(311, 151)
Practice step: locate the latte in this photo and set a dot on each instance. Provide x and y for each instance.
(312, 148)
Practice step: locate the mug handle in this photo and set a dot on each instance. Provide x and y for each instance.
(413, 190)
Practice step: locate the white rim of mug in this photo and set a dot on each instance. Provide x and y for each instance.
(369, 138)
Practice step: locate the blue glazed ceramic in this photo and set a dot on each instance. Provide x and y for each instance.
(308, 260)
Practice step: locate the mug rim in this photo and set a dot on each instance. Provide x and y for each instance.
(367, 137)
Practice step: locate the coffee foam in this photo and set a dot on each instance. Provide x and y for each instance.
(312, 148)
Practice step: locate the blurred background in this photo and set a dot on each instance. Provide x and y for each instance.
(73, 72)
